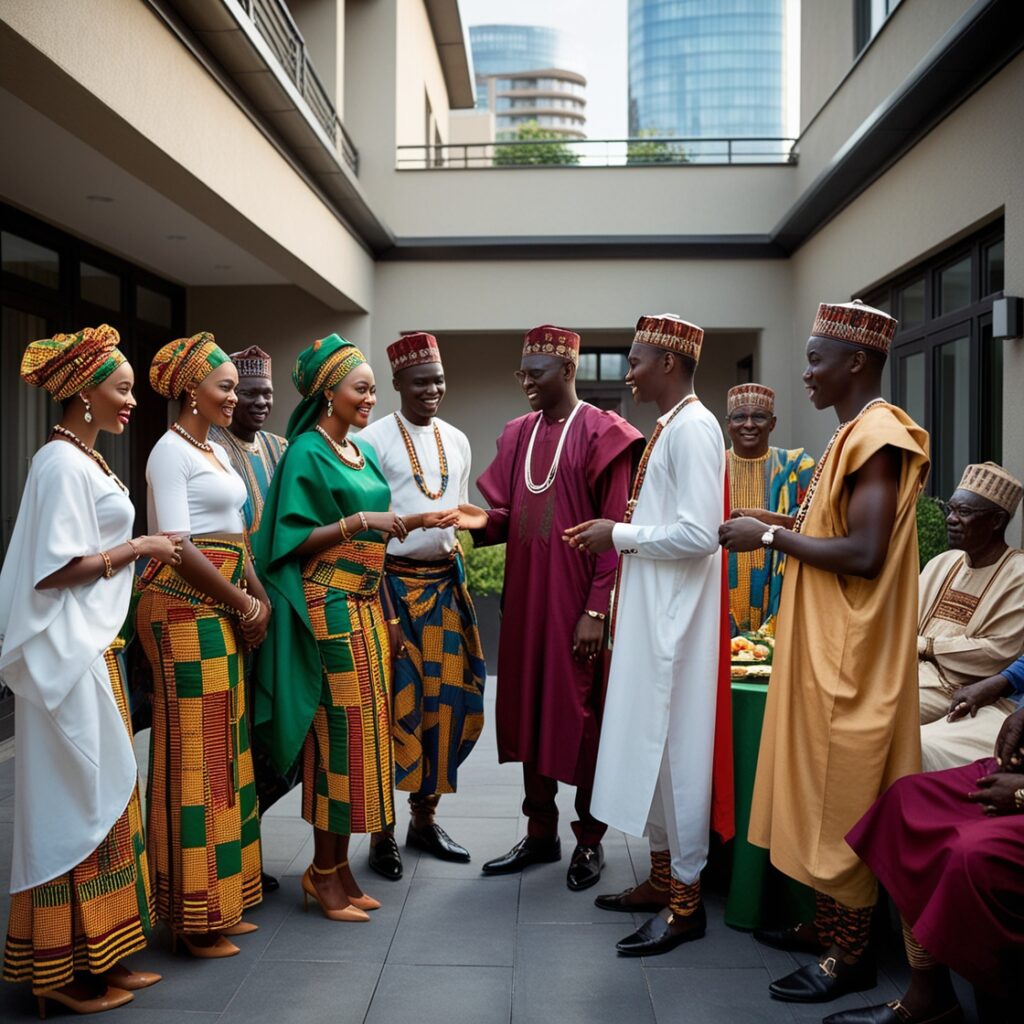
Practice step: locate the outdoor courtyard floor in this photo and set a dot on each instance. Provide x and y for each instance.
(451, 946)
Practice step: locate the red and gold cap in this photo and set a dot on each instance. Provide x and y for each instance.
(990, 481)
(746, 395)
(547, 340)
(856, 324)
(666, 330)
(413, 350)
(252, 362)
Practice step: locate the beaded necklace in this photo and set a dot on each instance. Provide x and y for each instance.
(91, 452)
(339, 450)
(805, 505)
(641, 470)
(203, 446)
(540, 488)
(414, 461)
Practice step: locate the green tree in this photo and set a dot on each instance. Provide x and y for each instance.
(646, 148)
(548, 148)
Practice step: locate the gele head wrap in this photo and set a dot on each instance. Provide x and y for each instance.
(184, 363)
(317, 369)
(67, 363)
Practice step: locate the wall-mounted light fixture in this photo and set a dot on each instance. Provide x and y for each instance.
(1008, 317)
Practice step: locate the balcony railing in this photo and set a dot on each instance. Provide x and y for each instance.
(640, 152)
(279, 31)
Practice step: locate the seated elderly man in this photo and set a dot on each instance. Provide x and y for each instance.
(971, 620)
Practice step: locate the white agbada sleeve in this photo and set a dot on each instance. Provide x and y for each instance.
(75, 766)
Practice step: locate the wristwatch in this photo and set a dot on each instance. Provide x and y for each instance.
(596, 615)
(768, 537)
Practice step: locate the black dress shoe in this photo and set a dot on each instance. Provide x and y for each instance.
(527, 851)
(617, 901)
(658, 936)
(385, 858)
(894, 1013)
(788, 939)
(269, 882)
(435, 840)
(825, 981)
(585, 867)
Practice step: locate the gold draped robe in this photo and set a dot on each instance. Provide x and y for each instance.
(841, 721)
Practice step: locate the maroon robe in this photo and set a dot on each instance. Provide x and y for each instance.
(548, 703)
(955, 874)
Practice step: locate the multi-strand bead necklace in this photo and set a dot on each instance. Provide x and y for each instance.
(339, 450)
(91, 452)
(417, 468)
(531, 486)
(203, 446)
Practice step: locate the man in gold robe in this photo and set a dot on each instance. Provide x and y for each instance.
(971, 622)
(841, 721)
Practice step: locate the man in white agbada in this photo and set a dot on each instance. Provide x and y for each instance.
(654, 767)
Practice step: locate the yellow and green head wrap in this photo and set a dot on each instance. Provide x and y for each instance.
(67, 363)
(318, 368)
(183, 363)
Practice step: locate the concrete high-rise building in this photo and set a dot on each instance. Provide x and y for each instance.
(524, 74)
(702, 69)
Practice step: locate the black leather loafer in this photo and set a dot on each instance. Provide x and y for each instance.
(825, 981)
(617, 901)
(585, 867)
(385, 859)
(788, 939)
(527, 851)
(269, 882)
(894, 1013)
(433, 839)
(658, 936)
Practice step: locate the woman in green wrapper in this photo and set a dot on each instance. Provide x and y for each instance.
(323, 688)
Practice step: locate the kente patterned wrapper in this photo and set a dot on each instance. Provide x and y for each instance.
(183, 363)
(745, 396)
(548, 340)
(203, 829)
(96, 914)
(347, 768)
(856, 324)
(252, 362)
(439, 687)
(67, 363)
(989, 480)
(413, 350)
(668, 331)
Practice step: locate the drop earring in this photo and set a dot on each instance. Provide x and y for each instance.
(330, 406)
(88, 409)
(195, 411)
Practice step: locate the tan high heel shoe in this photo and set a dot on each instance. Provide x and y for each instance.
(363, 902)
(349, 913)
(220, 949)
(110, 1000)
(241, 928)
(131, 981)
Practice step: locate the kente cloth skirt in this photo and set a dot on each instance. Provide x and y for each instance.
(97, 913)
(347, 765)
(438, 703)
(203, 828)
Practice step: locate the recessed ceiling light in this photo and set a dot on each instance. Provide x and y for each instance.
(222, 266)
(177, 238)
(100, 199)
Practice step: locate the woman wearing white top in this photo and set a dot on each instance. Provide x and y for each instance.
(192, 620)
(79, 878)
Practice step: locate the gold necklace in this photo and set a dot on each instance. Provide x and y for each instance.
(91, 452)
(339, 449)
(417, 468)
(203, 446)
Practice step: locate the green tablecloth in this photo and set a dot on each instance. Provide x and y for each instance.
(757, 892)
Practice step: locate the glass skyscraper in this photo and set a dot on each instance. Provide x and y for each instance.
(498, 49)
(706, 68)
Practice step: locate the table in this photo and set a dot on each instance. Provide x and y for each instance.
(757, 891)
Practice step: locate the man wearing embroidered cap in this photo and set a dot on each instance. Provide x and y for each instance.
(437, 694)
(564, 462)
(766, 478)
(971, 622)
(666, 735)
(841, 722)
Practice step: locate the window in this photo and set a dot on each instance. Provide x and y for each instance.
(868, 17)
(99, 286)
(29, 260)
(946, 369)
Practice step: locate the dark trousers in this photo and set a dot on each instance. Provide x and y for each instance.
(542, 811)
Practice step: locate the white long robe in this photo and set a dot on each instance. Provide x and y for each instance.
(659, 715)
(75, 768)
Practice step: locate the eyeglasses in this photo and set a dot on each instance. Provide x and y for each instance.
(530, 375)
(962, 512)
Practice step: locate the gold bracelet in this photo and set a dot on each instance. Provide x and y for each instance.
(362, 519)
(135, 549)
(344, 532)
(393, 622)
(253, 612)
(108, 570)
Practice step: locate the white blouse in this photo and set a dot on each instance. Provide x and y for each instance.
(188, 495)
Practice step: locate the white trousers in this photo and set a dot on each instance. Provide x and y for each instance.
(686, 839)
(954, 744)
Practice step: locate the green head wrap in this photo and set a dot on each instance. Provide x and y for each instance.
(321, 366)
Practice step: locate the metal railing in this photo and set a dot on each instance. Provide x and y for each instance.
(275, 24)
(566, 152)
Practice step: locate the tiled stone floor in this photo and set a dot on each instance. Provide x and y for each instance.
(451, 946)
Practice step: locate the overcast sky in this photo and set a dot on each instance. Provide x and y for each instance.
(599, 29)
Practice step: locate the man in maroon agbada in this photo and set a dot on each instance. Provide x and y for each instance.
(562, 464)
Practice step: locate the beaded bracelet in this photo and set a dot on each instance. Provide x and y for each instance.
(1018, 799)
(108, 570)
